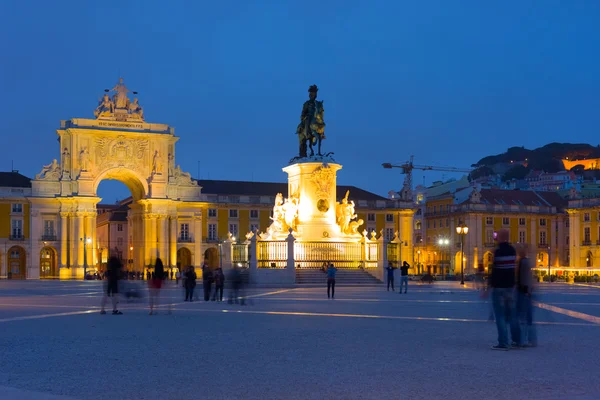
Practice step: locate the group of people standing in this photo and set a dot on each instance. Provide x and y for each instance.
(114, 272)
(403, 276)
(511, 286)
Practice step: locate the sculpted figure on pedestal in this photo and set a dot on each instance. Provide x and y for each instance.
(135, 110)
(345, 214)
(311, 129)
(50, 171)
(105, 107)
(84, 159)
(156, 163)
(66, 160)
(120, 97)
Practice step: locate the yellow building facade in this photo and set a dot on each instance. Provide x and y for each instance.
(584, 232)
(535, 218)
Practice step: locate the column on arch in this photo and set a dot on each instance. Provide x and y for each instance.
(147, 222)
(89, 233)
(173, 241)
(64, 228)
(79, 233)
(163, 239)
(197, 240)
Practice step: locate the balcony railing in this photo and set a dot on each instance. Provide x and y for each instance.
(586, 243)
(542, 245)
(49, 238)
(17, 237)
(185, 239)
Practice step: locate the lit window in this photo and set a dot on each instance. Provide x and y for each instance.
(184, 231)
(389, 234)
(212, 231)
(543, 238)
(418, 225)
(233, 229)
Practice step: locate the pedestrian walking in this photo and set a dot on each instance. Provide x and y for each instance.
(219, 284)
(156, 284)
(111, 288)
(525, 284)
(404, 277)
(207, 278)
(235, 277)
(502, 282)
(177, 277)
(390, 276)
(331, 271)
(190, 283)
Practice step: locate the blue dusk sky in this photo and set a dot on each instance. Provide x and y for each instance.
(448, 81)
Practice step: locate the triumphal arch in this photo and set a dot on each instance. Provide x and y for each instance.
(117, 144)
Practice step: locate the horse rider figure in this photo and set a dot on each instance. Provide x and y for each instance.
(311, 129)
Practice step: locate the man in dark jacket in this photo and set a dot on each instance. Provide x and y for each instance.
(404, 276)
(113, 274)
(502, 282)
(390, 276)
(190, 283)
(207, 278)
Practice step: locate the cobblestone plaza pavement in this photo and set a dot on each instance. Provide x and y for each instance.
(431, 343)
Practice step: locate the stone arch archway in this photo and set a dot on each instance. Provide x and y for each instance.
(184, 258)
(118, 144)
(457, 259)
(48, 263)
(137, 185)
(16, 263)
(589, 259)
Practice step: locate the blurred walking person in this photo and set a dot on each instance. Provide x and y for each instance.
(331, 271)
(235, 278)
(190, 283)
(502, 282)
(525, 284)
(113, 274)
(219, 284)
(404, 277)
(390, 276)
(177, 277)
(156, 284)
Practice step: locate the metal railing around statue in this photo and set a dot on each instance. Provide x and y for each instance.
(240, 254)
(271, 254)
(393, 253)
(342, 254)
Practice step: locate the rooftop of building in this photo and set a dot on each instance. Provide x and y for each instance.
(246, 188)
(14, 179)
(522, 198)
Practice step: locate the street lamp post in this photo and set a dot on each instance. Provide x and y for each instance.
(462, 230)
(549, 264)
(419, 261)
(85, 241)
(443, 244)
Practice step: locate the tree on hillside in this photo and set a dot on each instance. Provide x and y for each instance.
(516, 172)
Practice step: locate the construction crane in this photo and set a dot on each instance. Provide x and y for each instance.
(407, 168)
